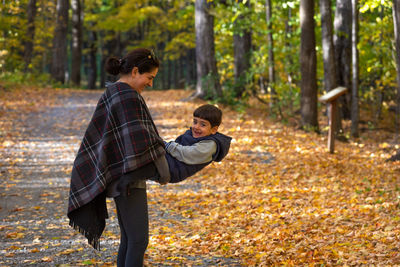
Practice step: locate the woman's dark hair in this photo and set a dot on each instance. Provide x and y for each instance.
(210, 113)
(142, 58)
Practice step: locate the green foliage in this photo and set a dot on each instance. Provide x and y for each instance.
(286, 43)
(208, 85)
(377, 62)
(371, 5)
(179, 45)
(129, 16)
(183, 32)
(13, 22)
(16, 78)
(310, 128)
(229, 98)
(287, 98)
(12, 27)
(168, 27)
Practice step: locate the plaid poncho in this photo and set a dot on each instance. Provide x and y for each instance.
(120, 138)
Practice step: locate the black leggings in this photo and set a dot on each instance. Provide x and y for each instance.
(134, 224)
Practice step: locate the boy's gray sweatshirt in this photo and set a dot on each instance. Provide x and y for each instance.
(197, 153)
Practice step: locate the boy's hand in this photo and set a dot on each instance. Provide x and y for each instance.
(163, 180)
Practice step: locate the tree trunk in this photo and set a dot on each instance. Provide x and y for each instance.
(328, 52)
(92, 68)
(242, 53)
(396, 20)
(327, 46)
(107, 48)
(30, 34)
(207, 74)
(102, 72)
(354, 87)
(308, 64)
(342, 42)
(271, 61)
(181, 72)
(59, 56)
(190, 67)
(103, 56)
(290, 60)
(176, 74)
(164, 75)
(76, 53)
(169, 75)
(118, 47)
(193, 66)
(379, 94)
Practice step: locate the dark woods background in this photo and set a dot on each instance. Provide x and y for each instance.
(283, 53)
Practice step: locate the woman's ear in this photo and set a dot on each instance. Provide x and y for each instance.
(135, 71)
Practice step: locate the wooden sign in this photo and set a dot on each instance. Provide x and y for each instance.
(330, 98)
(333, 94)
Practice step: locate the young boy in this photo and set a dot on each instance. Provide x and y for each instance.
(193, 150)
(198, 146)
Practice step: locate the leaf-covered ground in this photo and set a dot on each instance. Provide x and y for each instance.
(279, 198)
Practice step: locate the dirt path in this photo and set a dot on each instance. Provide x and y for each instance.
(35, 162)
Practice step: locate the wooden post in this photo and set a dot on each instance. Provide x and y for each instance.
(332, 123)
(331, 99)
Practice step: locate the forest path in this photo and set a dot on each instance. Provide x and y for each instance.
(35, 162)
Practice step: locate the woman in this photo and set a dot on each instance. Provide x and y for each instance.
(120, 149)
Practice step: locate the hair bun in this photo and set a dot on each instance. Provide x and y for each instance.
(113, 65)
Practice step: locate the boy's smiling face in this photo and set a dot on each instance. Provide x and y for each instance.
(201, 128)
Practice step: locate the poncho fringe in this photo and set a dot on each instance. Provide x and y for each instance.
(93, 240)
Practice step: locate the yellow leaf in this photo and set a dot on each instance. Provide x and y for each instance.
(47, 259)
(384, 145)
(7, 143)
(275, 199)
(15, 235)
(67, 251)
(13, 248)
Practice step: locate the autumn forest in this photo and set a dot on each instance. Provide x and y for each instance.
(307, 181)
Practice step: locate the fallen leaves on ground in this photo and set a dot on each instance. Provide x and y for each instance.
(304, 206)
(278, 198)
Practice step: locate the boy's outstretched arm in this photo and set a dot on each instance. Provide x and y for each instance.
(197, 153)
